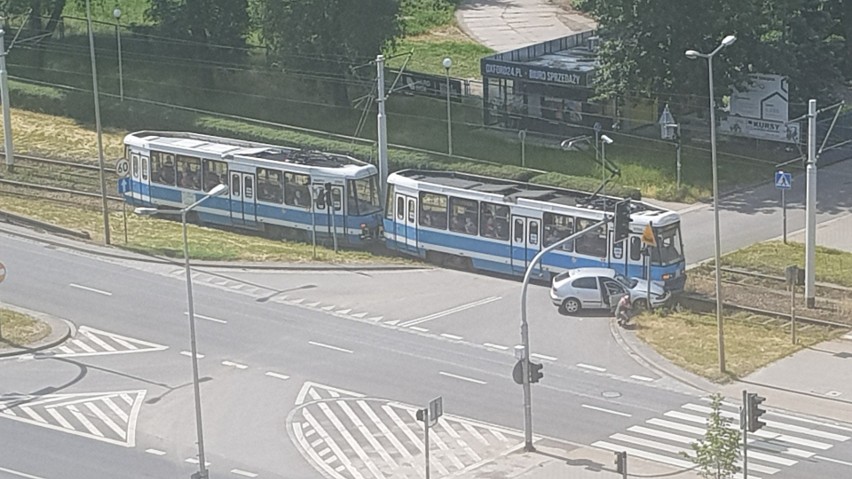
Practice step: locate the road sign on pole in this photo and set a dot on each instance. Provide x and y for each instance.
(783, 180)
(2, 272)
(648, 236)
(122, 168)
(436, 410)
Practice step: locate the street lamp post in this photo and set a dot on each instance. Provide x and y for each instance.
(218, 190)
(105, 207)
(448, 62)
(117, 14)
(605, 140)
(692, 54)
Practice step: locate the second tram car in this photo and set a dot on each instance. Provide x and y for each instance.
(499, 225)
(282, 192)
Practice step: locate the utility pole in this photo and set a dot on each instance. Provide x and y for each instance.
(382, 129)
(810, 208)
(98, 123)
(4, 97)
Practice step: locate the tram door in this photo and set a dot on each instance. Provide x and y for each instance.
(405, 224)
(242, 192)
(526, 241)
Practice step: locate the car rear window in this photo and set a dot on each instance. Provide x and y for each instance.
(562, 276)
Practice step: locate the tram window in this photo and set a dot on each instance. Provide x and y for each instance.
(163, 168)
(145, 168)
(557, 227)
(411, 210)
(363, 196)
(433, 210)
(296, 190)
(519, 230)
(235, 185)
(389, 205)
(592, 243)
(464, 216)
(188, 169)
(400, 208)
(269, 187)
(214, 173)
(494, 221)
(533, 233)
(135, 161)
(248, 183)
(635, 248)
(618, 250)
(335, 199)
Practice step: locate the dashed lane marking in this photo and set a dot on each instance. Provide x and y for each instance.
(277, 376)
(328, 346)
(462, 378)
(590, 367)
(93, 290)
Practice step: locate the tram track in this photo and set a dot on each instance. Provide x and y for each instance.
(63, 177)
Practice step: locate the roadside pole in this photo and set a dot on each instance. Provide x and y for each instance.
(9, 151)
(744, 427)
(523, 135)
(382, 128)
(784, 213)
(426, 439)
(810, 208)
(429, 415)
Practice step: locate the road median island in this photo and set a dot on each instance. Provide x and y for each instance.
(20, 330)
(689, 340)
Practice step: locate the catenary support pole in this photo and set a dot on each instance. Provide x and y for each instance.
(382, 128)
(98, 124)
(4, 97)
(810, 208)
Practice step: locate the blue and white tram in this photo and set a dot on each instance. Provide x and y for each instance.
(499, 225)
(282, 192)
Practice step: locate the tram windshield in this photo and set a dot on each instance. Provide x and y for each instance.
(669, 248)
(363, 196)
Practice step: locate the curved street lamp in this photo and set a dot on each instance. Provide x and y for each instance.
(217, 190)
(447, 63)
(692, 55)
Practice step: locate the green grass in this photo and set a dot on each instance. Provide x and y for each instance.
(429, 52)
(20, 329)
(689, 340)
(421, 16)
(772, 257)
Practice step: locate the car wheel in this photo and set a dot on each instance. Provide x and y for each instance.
(640, 304)
(570, 306)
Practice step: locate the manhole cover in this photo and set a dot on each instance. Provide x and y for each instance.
(611, 394)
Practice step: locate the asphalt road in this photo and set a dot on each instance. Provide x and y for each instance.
(281, 368)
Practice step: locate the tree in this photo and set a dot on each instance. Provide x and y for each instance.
(645, 40)
(38, 11)
(212, 24)
(328, 36)
(717, 453)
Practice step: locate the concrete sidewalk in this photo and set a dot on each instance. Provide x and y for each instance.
(504, 25)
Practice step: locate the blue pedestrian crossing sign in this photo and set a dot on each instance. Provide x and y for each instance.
(783, 180)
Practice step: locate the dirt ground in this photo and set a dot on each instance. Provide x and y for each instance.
(769, 295)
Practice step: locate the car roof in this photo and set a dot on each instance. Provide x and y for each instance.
(578, 272)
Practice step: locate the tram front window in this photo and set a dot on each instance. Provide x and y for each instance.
(669, 248)
(363, 196)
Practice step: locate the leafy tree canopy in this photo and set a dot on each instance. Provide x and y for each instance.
(717, 453)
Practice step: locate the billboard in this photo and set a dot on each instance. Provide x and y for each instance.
(759, 111)
(761, 129)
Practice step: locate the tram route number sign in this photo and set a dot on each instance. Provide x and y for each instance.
(2, 272)
(122, 168)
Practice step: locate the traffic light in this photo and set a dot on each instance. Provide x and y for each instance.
(621, 228)
(621, 463)
(535, 372)
(753, 412)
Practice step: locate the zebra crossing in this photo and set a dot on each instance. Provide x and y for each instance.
(93, 342)
(780, 443)
(108, 417)
(349, 436)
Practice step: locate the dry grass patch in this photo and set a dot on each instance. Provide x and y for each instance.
(690, 341)
(18, 329)
(58, 137)
(772, 257)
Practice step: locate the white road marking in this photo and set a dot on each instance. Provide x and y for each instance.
(353, 444)
(836, 461)
(808, 421)
(473, 432)
(451, 336)
(234, 365)
(20, 474)
(32, 414)
(194, 460)
(645, 455)
(359, 315)
(385, 431)
(83, 420)
(418, 328)
(278, 376)
(445, 451)
(542, 356)
(368, 435)
(60, 418)
(447, 312)
(593, 368)
(344, 311)
(297, 429)
(155, 452)
(495, 346)
(82, 345)
(777, 425)
(328, 346)
(95, 339)
(189, 354)
(206, 318)
(376, 318)
(450, 375)
(641, 378)
(608, 411)
(455, 435)
(243, 473)
(93, 290)
(392, 323)
(106, 420)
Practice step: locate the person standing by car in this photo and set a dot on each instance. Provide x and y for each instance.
(622, 310)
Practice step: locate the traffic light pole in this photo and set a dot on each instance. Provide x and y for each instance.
(525, 330)
(744, 424)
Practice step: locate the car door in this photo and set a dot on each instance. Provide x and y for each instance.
(611, 292)
(588, 292)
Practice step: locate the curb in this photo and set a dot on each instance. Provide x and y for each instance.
(632, 347)
(224, 265)
(60, 331)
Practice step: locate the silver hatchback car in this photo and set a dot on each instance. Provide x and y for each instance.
(601, 288)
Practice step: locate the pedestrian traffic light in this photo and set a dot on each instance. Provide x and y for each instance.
(753, 412)
(535, 372)
(621, 463)
(621, 227)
